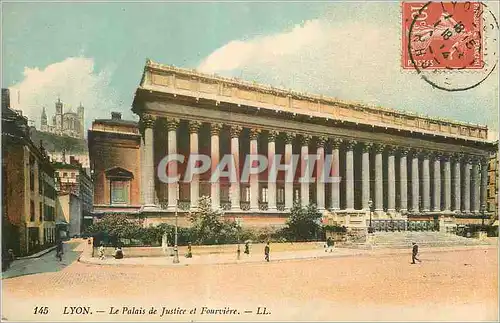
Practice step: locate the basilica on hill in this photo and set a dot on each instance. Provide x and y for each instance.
(64, 123)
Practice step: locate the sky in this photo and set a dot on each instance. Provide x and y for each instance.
(94, 54)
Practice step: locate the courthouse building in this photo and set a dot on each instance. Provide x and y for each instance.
(405, 166)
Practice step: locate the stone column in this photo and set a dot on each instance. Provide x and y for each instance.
(288, 161)
(447, 183)
(426, 183)
(349, 174)
(304, 170)
(271, 184)
(437, 183)
(403, 180)
(235, 151)
(336, 174)
(254, 178)
(466, 181)
(391, 180)
(215, 156)
(476, 186)
(173, 188)
(415, 185)
(148, 168)
(379, 187)
(484, 183)
(365, 175)
(194, 187)
(320, 176)
(457, 187)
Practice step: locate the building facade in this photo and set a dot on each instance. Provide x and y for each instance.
(492, 203)
(75, 191)
(114, 151)
(28, 188)
(406, 166)
(64, 123)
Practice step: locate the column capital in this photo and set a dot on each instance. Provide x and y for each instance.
(436, 155)
(425, 154)
(272, 135)
(466, 159)
(366, 146)
(484, 161)
(349, 144)
(254, 133)
(288, 136)
(403, 151)
(390, 149)
(321, 141)
(476, 159)
(194, 126)
(336, 143)
(456, 157)
(235, 131)
(215, 128)
(305, 139)
(172, 123)
(148, 120)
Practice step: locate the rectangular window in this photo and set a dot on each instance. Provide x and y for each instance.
(65, 174)
(263, 197)
(119, 192)
(73, 175)
(41, 211)
(245, 194)
(281, 195)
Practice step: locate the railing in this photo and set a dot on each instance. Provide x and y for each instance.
(388, 225)
(184, 205)
(244, 206)
(263, 206)
(280, 206)
(225, 205)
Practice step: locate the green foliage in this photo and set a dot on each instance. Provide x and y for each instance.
(303, 223)
(209, 226)
(117, 226)
(334, 228)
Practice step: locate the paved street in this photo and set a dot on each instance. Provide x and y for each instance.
(447, 285)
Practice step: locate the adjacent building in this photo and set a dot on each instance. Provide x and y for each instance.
(75, 193)
(28, 187)
(114, 151)
(67, 123)
(492, 202)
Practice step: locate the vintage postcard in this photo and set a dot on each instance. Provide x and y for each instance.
(249, 161)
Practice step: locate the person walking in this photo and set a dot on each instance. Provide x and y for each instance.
(247, 248)
(267, 249)
(190, 252)
(59, 249)
(414, 253)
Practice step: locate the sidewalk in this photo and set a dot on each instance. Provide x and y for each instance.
(257, 257)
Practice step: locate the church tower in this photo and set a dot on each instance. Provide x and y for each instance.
(44, 120)
(81, 118)
(59, 116)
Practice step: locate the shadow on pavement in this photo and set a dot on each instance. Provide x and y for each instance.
(44, 264)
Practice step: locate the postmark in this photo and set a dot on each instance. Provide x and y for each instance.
(451, 45)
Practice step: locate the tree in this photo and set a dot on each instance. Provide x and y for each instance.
(303, 223)
(116, 226)
(209, 226)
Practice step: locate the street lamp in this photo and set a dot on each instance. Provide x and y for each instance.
(238, 221)
(176, 250)
(370, 205)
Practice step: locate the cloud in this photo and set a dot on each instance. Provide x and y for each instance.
(358, 61)
(74, 80)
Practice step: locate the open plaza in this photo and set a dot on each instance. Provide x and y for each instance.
(452, 283)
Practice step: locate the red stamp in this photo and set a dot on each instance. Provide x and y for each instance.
(442, 35)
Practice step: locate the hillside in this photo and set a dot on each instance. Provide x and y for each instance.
(53, 143)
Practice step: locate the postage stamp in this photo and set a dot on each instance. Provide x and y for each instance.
(439, 38)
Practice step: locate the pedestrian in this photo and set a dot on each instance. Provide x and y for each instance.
(101, 251)
(329, 244)
(118, 253)
(266, 252)
(59, 250)
(189, 253)
(414, 253)
(247, 248)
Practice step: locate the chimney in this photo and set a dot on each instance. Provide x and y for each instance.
(116, 115)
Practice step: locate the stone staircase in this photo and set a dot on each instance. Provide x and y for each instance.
(423, 239)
